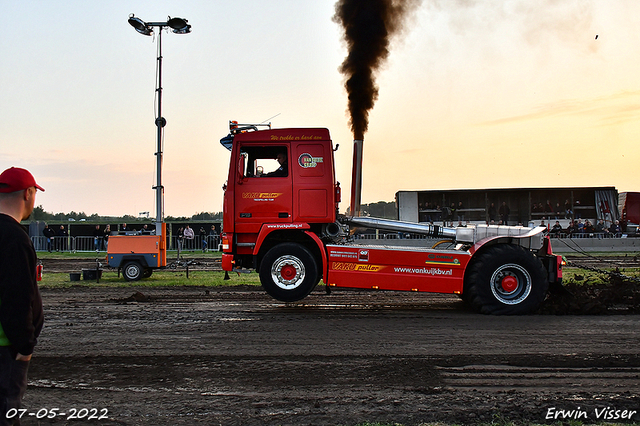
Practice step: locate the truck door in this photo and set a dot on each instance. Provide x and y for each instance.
(263, 191)
(313, 198)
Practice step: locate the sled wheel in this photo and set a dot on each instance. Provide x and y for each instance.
(505, 279)
(289, 272)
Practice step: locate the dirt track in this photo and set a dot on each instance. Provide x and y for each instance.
(234, 356)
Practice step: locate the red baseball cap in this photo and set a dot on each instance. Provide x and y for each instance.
(17, 179)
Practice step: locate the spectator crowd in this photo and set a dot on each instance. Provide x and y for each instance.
(454, 215)
(586, 228)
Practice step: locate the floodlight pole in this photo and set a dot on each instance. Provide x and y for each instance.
(160, 123)
(179, 26)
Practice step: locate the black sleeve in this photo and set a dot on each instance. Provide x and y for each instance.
(20, 303)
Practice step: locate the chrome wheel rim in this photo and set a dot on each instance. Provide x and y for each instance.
(511, 284)
(288, 272)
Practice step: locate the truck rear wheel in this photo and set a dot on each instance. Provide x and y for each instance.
(505, 279)
(289, 272)
(132, 271)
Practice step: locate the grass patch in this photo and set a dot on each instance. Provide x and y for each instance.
(160, 278)
(177, 277)
(583, 276)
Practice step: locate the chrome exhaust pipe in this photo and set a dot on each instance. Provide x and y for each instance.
(397, 226)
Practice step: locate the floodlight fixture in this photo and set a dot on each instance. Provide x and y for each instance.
(179, 25)
(139, 25)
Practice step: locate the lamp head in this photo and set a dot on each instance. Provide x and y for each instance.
(139, 25)
(179, 25)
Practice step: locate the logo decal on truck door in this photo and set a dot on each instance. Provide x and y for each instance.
(262, 196)
(307, 161)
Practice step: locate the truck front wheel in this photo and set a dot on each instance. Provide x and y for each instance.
(505, 279)
(132, 271)
(288, 272)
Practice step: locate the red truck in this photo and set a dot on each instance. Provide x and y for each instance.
(281, 219)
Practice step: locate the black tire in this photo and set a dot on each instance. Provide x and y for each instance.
(289, 272)
(132, 271)
(505, 279)
(147, 273)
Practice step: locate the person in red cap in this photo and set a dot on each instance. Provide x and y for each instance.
(21, 314)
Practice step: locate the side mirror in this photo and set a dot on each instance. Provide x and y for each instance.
(241, 161)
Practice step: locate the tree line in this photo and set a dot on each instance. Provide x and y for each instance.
(381, 209)
(40, 214)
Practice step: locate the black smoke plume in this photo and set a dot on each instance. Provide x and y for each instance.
(368, 27)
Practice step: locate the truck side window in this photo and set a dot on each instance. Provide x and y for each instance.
(268, 161)
(283, 166)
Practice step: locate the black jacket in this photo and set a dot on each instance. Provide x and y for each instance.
(48, 232)
(21, 314)
(281, 171)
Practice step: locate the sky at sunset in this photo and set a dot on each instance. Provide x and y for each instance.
(474, 94)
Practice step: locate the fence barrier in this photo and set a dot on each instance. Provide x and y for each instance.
(209, 243)
(212, 243)
(597, 235)
(88, 244)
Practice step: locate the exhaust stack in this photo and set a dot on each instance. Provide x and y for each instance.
(356, 178)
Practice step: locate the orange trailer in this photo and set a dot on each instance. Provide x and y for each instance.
(137, 255)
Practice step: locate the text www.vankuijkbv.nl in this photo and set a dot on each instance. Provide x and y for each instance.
(427, 271)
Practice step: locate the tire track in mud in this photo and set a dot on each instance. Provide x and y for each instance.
(508, 377)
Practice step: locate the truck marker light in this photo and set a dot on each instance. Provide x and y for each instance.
(414, 289)
(375, 287)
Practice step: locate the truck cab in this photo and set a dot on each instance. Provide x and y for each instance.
(267, 200)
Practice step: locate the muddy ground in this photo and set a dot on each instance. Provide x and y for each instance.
(234, 356)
